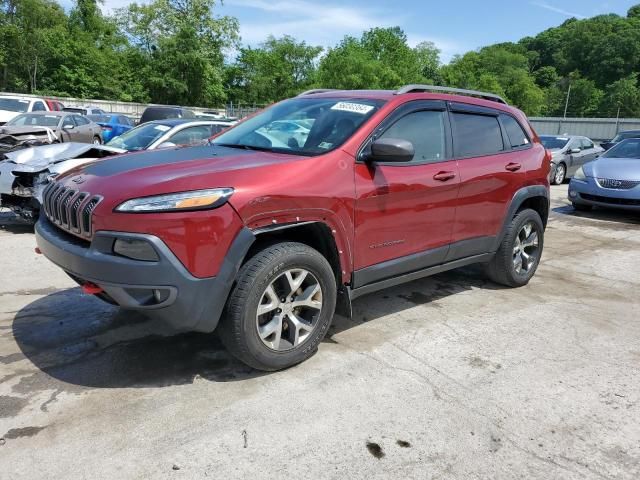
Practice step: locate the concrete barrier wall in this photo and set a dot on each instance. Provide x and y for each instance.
(130, 109)
(595, 128)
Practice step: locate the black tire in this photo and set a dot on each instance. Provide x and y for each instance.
(501, 269)
(582, 208)
(559, 178)
(238, 328)
(99, 140)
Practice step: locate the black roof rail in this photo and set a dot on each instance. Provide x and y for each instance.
(318, 90)
(460, 91)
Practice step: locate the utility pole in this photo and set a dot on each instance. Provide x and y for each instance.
(566, 106)
(617, 119)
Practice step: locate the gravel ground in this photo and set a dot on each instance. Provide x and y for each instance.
(450, 377)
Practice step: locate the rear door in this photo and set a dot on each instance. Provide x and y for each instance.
(83, 131)
(404, 211)
(492, 169)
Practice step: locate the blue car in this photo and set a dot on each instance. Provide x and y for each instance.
(612, 180)
(112, 124)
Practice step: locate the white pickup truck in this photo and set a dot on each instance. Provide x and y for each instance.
(13, 105)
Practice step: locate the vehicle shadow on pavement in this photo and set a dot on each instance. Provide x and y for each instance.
(82, 341)
(79, 340)
(609, 215)
(425, 291)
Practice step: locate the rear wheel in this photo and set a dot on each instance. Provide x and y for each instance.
(97, 140)
(519, 254)
(559, 175)
(280, 308)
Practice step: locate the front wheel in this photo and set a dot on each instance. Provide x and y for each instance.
(280, 308)
(97, 140)
(519, 254)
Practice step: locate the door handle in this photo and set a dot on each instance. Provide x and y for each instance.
(444, 176)
(513, 167)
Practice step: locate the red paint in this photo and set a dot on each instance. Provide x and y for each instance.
(367, 207)
(91, 288)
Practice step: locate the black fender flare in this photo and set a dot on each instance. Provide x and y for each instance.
(522, 195)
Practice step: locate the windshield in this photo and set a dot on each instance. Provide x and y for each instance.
(141, 137)
(301, 126)
(100, 118)
(629, 148)
(14, 104)
(34, 120)
(553, 143)
(624, 136)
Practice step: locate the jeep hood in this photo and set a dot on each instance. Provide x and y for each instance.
(42, 157)
(168, 170)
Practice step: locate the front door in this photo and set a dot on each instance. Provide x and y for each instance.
(404, 211)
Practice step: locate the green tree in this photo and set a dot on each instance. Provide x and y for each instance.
(622, 97)
(277, 69)
(428, 58)
(381, 58)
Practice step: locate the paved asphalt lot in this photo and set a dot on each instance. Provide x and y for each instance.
(450, 377)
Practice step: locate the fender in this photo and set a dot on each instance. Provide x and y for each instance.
(283, 219)
(522, 195)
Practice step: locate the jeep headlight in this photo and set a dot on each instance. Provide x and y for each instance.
(183, 201)
(579, 175)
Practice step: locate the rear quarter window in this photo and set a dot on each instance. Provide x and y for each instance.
(515, 133)
(476, 135)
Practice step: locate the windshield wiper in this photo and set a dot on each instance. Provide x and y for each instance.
(244, 147)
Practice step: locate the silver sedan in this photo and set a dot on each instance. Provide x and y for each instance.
(569, 153)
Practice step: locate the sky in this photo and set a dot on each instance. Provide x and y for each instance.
(455, 26)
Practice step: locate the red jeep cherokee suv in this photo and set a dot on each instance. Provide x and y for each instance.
(281, 221)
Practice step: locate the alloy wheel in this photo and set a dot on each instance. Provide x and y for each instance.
(289, 309)
(526, 249)
(560, 174)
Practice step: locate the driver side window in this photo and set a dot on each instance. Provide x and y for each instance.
(425, 130)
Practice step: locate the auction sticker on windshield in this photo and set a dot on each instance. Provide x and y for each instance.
(360, 108)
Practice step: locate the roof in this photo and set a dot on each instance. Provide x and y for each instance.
(389, 95)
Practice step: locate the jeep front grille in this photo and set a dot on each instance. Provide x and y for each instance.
(69, 209)
(617, 184)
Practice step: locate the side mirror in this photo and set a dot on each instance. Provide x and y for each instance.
(574, 150)
(167, 145)
(392, 150)
(69, 126)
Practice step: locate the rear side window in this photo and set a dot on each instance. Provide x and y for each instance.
(477, 135)
(516, 134)
(425, 130)
(39, 107)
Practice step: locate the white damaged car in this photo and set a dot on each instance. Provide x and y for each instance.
(25, 173)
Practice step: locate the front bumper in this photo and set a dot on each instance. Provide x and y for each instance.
(162, 289)
(589, 192)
